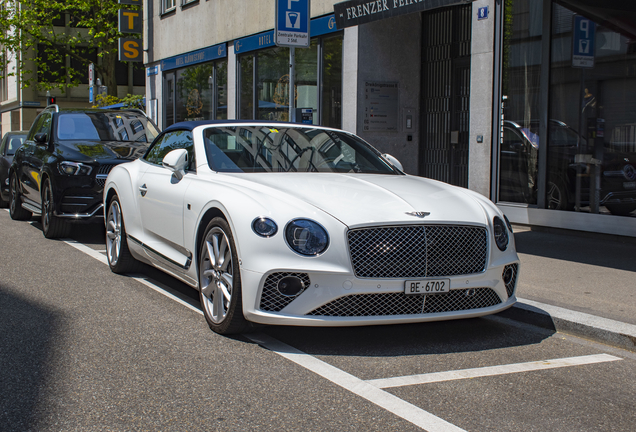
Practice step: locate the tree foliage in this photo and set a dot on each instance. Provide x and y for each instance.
(50, 43)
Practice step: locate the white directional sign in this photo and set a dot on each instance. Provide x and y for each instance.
(292, 23)
(583, 35)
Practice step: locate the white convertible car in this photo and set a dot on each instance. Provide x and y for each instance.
(279, 223)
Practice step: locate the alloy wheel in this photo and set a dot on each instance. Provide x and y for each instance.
(217, 279)
(113, 233)
(13, 198)
(47, 207)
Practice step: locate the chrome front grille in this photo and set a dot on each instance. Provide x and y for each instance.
(271, 299)
(386, 304)
(102, 173)
(418, 251)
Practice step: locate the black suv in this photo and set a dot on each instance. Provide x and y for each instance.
(60, 170)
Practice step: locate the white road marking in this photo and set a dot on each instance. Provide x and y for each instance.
(490, 371)
(349, 382)
(606, 324)
(371, 390)
(161, 289)
(386, 400)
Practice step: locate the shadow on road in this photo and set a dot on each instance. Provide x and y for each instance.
(598, 251)
(464, 335)
(26, 334)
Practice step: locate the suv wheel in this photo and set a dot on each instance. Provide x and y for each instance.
(52, 226)
(15, 201)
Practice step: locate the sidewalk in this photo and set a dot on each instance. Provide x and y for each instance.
(580, 283)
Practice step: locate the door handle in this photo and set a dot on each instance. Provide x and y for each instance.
(143, 189)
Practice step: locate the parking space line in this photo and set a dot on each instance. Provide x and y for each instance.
(386, 400)
(372, 390)
(491, 370)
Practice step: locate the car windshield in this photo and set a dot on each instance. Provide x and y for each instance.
(250, 149)
(106, 126)
(13, 143)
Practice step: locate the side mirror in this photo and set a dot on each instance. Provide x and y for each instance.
(176, 161)
(40, 138)
(396, 163)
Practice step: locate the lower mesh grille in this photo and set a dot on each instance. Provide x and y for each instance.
(385, 304)
(271, 299)
(510, 286)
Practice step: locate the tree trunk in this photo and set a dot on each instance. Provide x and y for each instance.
(108, 72)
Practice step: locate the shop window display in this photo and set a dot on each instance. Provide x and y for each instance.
(197, 88)
(591, 121)
(272, 82)
(592, 157)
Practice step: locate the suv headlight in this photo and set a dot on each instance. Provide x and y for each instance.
(74, 168)
(500, 232)
(306, 237)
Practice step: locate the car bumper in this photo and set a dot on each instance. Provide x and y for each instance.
(344, 300)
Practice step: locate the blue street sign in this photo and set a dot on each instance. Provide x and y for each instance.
(482, 13)
(583, 34)
(292, 23)
(90, 94)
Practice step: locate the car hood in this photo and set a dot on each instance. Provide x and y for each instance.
(367, 199)
(104, 150)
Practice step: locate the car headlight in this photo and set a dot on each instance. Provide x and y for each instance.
(508, 224)
(501, 233)
(74, 168)
(306, 237)
(264, 227)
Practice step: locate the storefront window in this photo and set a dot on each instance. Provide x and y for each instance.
(519, 144)
(592, 146)
(272, 82)
(332, 82)
(221, 89)
(246, 81)
(194, 92)
(307, 78)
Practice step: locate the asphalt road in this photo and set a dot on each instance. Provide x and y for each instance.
(83, 349)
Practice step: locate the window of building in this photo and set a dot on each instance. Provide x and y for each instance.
(264, 82)
(197, 92)
(168, 5)
(588, 143)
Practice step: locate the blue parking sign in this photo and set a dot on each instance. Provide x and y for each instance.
(583, 35)
(292, 23)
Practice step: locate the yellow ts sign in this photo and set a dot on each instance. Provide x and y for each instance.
(130, 50)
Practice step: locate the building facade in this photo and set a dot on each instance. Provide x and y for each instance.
(460, 91)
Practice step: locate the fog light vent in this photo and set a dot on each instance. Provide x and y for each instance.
(280, 289)
(290, 286)
(509, 277)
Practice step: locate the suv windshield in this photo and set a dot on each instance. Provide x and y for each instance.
(105, 126)
(259, 148)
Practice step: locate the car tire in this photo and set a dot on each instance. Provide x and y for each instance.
(52, 226)
(557, 195)
(620, 209)
(220, 280)
(15, 201)
(120, 260)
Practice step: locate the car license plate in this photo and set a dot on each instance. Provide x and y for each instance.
(426, 286)
(629, 185)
